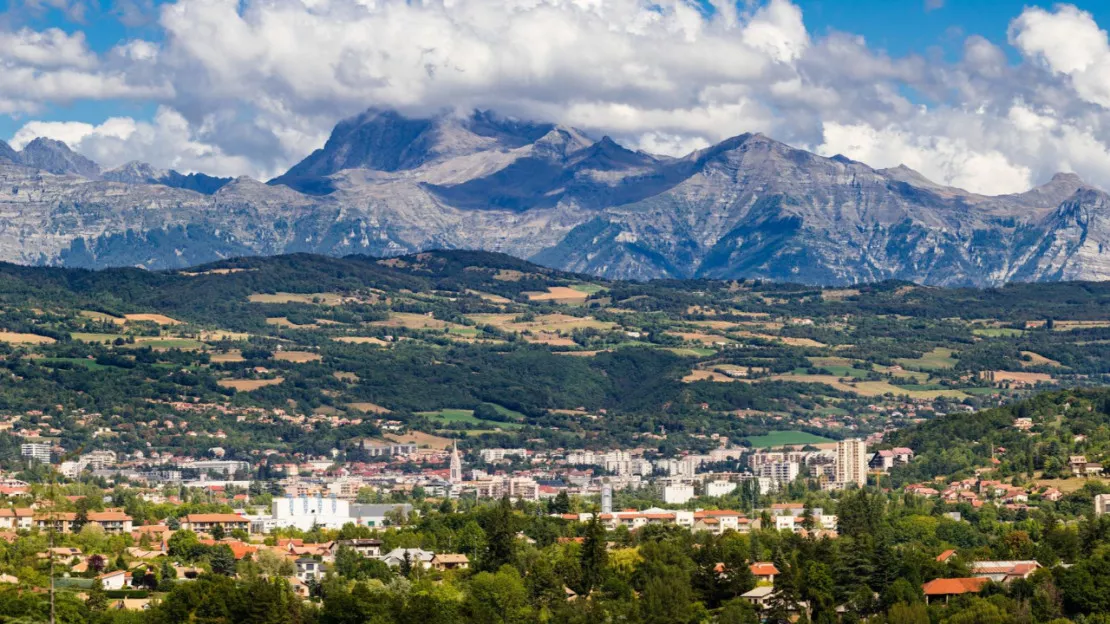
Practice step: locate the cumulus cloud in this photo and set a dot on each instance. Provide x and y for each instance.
(252, 86)
(167, 140)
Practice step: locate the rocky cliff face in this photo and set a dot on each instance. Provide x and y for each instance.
(385, 184)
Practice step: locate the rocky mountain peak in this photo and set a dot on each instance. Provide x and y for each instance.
(55, 157)
(134, 172)
(7, 154)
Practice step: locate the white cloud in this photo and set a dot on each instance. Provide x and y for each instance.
(49, 48)
(252, 86)
(950, 161)
(167, 142)
(1068, 41)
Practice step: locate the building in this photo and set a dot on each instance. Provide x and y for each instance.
(851, 462)
(377, 448)
(886, 459)
(205, 523)
(764, 571)
(449, 561)
(364, 547)
(15, 519)
(607, 498)
(678, 494)
(945, 588)
(36, 451)
(115, 581)
(780, 472)
(416, 557)
(380, 515)
(1102, 504)
(455, 473)
(715, 489)
(305, 512)
(1004, 571)
(492, 455)
(309, 569)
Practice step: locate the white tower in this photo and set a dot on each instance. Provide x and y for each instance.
(456, 465)
(606, 498)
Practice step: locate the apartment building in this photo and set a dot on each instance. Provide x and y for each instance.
(851, 462)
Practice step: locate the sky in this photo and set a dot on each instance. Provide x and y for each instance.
(990, 95)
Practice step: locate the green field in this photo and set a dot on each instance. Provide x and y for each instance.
(589, 289)
(938, 358)
(782, 438)
(998, 332)
(101, 338)
(85, 362)
(466, 417)
(691, 351)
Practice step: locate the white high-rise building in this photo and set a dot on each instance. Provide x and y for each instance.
(851, 462)
(36, 451)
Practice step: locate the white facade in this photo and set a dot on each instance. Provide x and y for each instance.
(1102, 504)
(715, 489)
(781, 471)
(36, 451)
(678, 494)
(498, 454)
(851, 462)
(305, 512)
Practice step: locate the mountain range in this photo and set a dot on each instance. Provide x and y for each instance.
(385, 184)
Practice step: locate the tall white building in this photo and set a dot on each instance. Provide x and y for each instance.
(851, 462)
(36, 451)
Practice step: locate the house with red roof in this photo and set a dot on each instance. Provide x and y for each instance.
(764, 571)
(943, 589)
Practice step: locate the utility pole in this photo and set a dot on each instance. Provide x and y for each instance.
(53, 519)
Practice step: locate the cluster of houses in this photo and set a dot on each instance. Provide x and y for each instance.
(977, 491)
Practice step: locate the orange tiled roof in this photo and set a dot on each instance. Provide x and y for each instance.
(954, 586)
(763, 568)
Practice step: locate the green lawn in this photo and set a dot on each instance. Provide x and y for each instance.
(781, 438)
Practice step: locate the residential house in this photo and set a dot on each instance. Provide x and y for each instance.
(20, 518)
(416, 557)
(944, 588)
(205, 523)
(309, 569)
(1004, 571)
(764, 571)
(364, 547)
(116, 580)
(450, 561)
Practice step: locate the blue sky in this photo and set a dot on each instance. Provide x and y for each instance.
(251, 86)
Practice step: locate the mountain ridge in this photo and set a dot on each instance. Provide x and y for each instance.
(385, 184)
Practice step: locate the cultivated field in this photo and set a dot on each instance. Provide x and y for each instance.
(160, 319)
(18, 338)
(297, 356)
(331, 299)
(246, 385)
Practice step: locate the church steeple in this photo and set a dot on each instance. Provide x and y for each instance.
(456, 465)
